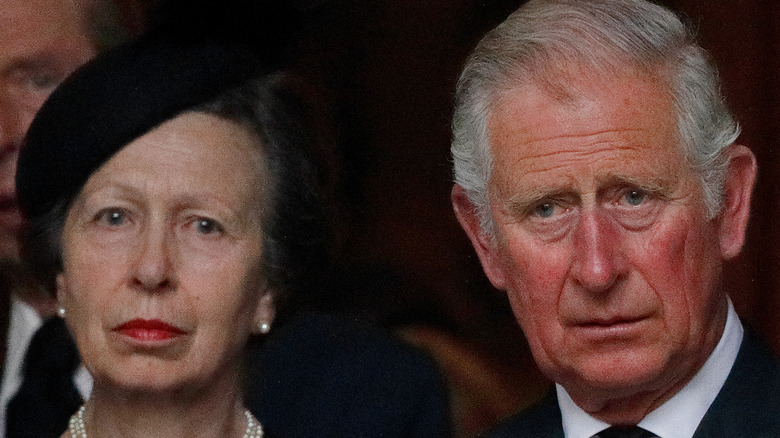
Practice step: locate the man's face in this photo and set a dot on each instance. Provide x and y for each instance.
(602, 243)
(41, 42)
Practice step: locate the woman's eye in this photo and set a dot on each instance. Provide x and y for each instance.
(208, 226)
(112, 217)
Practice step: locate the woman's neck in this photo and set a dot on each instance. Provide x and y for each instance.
(123, 414)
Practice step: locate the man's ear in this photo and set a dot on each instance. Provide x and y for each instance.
(265, 312)
(486, 246)
(738, 188)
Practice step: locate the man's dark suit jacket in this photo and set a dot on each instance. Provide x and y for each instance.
(318, 375)
(747, 406)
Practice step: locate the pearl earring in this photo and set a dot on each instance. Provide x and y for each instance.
(61, 312)
(264, 327)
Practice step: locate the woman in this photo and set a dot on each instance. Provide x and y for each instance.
(169, 212)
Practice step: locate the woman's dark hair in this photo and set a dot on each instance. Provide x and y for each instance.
(296, 240)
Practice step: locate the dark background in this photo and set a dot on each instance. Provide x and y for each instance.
(385, 71)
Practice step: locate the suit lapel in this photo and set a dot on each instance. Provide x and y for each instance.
(749, 403)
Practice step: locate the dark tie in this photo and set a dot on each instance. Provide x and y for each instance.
(624, 432)
(47, 397)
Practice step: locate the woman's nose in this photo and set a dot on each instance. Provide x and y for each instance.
(153, 269)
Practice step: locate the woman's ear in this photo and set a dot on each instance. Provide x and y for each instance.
(264, 313)
(61, 293)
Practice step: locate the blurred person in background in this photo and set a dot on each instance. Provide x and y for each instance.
(41, 43)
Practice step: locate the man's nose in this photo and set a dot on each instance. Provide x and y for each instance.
(153, 269)
(598, 252)
(9, 155)
(16, 115)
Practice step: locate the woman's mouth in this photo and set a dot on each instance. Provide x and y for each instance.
(149, 330)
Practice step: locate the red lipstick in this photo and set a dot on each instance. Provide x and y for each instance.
(149, 330)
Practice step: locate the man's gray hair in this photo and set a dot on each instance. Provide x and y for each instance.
(608, 37)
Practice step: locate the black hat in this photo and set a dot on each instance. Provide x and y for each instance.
(119, 96)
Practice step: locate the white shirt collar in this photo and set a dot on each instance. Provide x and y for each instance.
(680, 415)
(24, 322)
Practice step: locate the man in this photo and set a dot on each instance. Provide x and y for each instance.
(41, 42)
(598, 180)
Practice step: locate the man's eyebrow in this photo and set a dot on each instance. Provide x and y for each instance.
(652, 185)
(36, 61)
(522, 201)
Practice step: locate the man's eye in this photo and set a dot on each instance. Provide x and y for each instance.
(635, 197)
(545, 210)
(44, 81)
(208, 226)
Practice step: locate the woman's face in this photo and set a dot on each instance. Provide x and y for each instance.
(162, 252)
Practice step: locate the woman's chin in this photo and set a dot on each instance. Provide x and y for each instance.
(146, 382)
(144, 387)
(167, 379)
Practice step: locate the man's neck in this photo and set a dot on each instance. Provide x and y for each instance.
(629, 406)
(680, 414)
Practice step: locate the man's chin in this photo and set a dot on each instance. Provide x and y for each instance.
(619, 375)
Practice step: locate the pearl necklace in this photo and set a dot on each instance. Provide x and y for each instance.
(77, 429)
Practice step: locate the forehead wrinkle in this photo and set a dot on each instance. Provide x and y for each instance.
(564, 160)
(174, 201)
(573, 184)
(535, 139)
